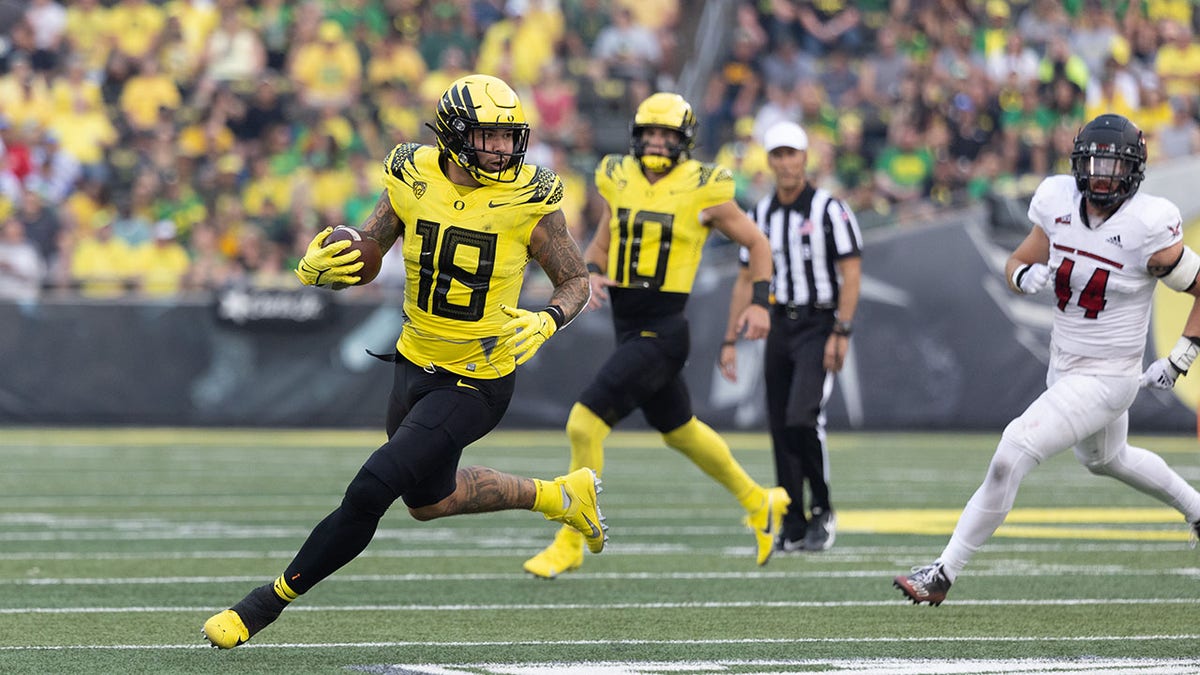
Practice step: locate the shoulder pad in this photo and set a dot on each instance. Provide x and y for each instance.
(611, 164)
(712, 172)
(402, 160)
(546, 186)
(541, 186)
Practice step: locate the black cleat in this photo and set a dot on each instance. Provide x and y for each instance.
(925, 584)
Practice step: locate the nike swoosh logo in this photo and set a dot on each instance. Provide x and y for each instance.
(567, 502)
(770, 516)
(595, 530)
(466, 386)
(495, 205)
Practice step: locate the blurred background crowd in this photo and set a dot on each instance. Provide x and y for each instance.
(157, 148)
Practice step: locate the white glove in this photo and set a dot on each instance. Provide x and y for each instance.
(1160, 375)
(1031, 278)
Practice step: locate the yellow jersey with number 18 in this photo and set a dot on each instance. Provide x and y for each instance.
(657, 236)
(465, 252)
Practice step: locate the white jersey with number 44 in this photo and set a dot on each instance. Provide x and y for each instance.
(1101, 284)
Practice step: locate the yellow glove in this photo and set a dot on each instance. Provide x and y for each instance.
(322, 266)
(532, 331)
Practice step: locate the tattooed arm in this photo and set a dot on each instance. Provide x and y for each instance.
(552, 246)
(383, 225)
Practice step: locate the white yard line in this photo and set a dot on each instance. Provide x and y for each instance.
(1022, 571)
(570, 643)
(782, 604)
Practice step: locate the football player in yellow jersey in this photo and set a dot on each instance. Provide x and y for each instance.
(660, 206)
(469, 214)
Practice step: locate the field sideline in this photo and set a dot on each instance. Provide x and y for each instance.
(116, 544)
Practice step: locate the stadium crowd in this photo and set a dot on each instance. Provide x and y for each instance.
(153, 148)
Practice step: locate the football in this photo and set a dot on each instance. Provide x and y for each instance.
(372, 255)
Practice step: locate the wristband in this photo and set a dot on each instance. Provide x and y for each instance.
(1184, 353)
(557, 314)
(1017, 275)
(728, 343)
(593, 268)
(761, 294)
(842, 328)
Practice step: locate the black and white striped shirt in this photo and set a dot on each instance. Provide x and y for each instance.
(807, 237)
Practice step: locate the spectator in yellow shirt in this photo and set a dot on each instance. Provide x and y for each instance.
(74, 85)
(265, 186)
(87, 33)
(653, 14)
(327, 71)
(396, 59)
(148, 93)
(525, 39)
(332, 183)
(399, 121)
(102, 265)
(197, 20)
(25, 95)
(1178, 61)
(161, 265)
(135, 25)
(86, 134)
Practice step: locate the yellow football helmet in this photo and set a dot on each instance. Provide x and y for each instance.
(667, 111)
(479, 102)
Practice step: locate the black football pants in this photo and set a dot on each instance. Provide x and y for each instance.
(797, 388)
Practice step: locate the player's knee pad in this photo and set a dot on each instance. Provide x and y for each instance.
(1013, 456)
(1020, 437)
(367, 496)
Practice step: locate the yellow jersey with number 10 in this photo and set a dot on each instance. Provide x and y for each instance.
(465, 252)
(657, 237)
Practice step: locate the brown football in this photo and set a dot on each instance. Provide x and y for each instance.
(372, 255)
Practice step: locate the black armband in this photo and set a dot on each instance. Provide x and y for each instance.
(593, 268)
(556, 313)
(761, 294)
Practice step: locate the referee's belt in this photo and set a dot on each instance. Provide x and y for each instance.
(794, 311)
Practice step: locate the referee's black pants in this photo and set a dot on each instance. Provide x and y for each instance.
(797, 388)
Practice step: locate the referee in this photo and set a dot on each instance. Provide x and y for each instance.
(817, 251)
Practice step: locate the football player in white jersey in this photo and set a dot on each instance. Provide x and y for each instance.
(1102, 246)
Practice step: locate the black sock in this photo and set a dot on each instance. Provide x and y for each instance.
(259, 608)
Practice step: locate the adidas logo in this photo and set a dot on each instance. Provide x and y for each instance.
(1115, 240)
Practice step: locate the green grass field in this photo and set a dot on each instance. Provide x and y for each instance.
(116, 545)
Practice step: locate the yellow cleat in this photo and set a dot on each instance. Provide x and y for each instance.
(239, 623)
(766, 522)
(564, 555)
(226, 630)
(581, 509)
